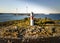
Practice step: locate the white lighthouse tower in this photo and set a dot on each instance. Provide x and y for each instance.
(31, 19)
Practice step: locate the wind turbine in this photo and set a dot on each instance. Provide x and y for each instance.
(31, 17)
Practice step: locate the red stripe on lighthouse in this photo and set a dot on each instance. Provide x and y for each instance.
(31, 17)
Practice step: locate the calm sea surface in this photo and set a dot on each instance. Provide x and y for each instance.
(8, 17)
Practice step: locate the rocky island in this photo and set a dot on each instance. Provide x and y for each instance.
(42, 30)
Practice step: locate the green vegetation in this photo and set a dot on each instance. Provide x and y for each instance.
(26, 22)
(21, 28)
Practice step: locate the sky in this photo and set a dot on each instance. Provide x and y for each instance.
(27, 6)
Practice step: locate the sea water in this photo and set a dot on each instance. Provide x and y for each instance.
(7, 16)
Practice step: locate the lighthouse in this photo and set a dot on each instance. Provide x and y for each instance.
(31, 19)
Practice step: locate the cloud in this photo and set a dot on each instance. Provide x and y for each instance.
(21, 6)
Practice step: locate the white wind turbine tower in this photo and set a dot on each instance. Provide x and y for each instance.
(31, 17)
